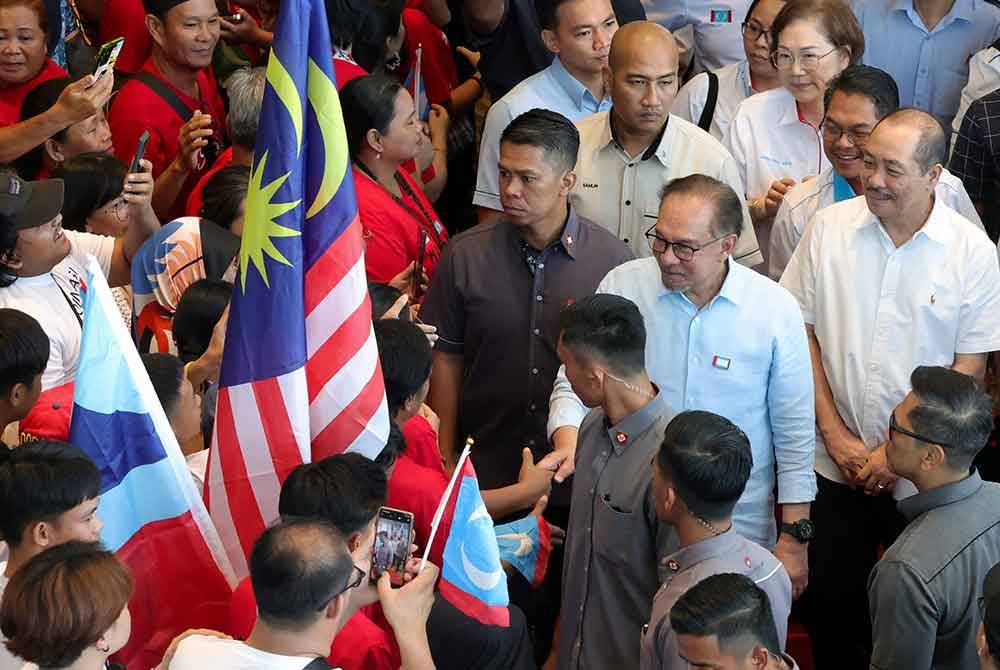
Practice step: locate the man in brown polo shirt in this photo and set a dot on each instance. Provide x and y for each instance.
(495, 298)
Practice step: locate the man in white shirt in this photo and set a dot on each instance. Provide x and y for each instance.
(724, 339)
(715, 27)
(49, 495)
(856, 100)
(303, 577)
(629, 153)
(42, 266)
(579, 33)
(885, 283)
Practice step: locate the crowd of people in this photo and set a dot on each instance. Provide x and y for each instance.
(715, 287)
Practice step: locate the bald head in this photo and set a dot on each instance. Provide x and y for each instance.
(931, 146)
(640, 38)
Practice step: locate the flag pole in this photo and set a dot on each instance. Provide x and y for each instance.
(444, 500)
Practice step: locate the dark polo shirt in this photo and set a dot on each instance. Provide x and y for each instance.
(504, 321)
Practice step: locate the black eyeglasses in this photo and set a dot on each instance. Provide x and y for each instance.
(894, 428)
(753, 30)
(357, 576)
(684, 252)
(832, 132)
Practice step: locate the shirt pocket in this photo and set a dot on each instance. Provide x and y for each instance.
(615, 525)
(738, 377)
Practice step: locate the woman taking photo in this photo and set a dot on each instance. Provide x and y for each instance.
(382, 134)
(24, 59)
(775, 135)
(737, 81)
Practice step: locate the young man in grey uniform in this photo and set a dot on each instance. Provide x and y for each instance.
(698, 475)
(614, 542)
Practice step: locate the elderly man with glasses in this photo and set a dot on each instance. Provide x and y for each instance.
(724, 339)
(886, 282)
(923, 593)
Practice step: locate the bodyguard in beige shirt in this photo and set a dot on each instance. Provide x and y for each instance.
(627, 155)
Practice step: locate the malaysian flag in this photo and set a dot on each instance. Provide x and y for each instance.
(300, 374)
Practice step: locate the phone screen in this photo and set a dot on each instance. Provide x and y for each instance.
(108, 55)
(393, 531)
(418, 269)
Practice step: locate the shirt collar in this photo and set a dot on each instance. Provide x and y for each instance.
(789, 109)
(925, 501)
(570, 85)
(733, 288)
(699, 552)
(626, 431)
(658, 147)
(962, 10)
(842, 189)
(937, 228)
(568, 240)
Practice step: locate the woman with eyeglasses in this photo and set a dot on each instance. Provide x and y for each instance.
(93, 202)
(775, 136)
(735, 82)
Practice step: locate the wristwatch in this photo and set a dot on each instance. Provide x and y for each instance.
(802, 530)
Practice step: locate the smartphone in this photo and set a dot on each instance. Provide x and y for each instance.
(418, 269)
(393, 531)
(107, 55)
(140, 151)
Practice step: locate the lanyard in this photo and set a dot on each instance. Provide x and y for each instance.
(426, 221)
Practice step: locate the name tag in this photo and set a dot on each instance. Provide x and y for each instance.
(721, 362)
(720, 16)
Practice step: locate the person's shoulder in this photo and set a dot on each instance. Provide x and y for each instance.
(622, 280)
(692, 134)
(851, 213)
(591, 126)
(765, 102)
(767, 292)
(527, 94)
(480, 238)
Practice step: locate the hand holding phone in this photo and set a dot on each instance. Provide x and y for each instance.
(107, 55)
(393, 530)
(418, 270)
(140, 152)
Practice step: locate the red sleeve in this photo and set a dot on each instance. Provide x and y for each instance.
(422, 443)
(389, 244)
(242, 612)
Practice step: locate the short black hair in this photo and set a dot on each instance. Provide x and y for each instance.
(406, 359)
(875, 84)
(708, 460)
(91, 180)
(367, 102)
(296, 568)
(382, 297)
(608, 326)
(199, 309)
(38, 100)
(953, 410)
(932, 142)
(346, 18)
(550, 131)
(547, 12)
(728, 219)
(41, 480)
(24, 349)
(223, 194)
(394, 447)
(730, 607)
(345, 490)
(381, 21)
(166, 371)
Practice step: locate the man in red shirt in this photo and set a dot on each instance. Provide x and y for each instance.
(175, 98)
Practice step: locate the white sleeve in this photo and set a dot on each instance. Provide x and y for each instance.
(747, 251)
(800, 274)
(955, 196)
(690, 100)
(784, 239)
(565, 408)
(487, 176)
(979, 314)
(102, 247)
(734, 144)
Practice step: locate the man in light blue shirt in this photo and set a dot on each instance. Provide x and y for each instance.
(579, 32)
(926, 47)
(725, 339)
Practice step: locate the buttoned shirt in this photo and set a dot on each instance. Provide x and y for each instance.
(614, 541)
(718, 38)
(770, 141)
(622, 193)
(880, 311)
(745, 356)
(504, 321)
(734, 88)
(726, 553)
(976, 157)
(807, 198)
(930, 66)
(924, 593)
(555, 89)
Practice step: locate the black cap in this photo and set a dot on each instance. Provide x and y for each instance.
(29, 204)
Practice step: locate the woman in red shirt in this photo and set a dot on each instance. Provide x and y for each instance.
(24, 61)
(382, 134)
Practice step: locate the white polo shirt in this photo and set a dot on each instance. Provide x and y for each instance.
(881, 311)
(718, 38)
(804, 200)
(734, 88)
(622, 194)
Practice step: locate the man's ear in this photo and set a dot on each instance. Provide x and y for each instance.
(758, 657)
(12, 259)
(156, 30)
(550, 41)
(567, 183)
(353, 542)
(932, 458)
(54, 151)
(336, 609)
(40, 533)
